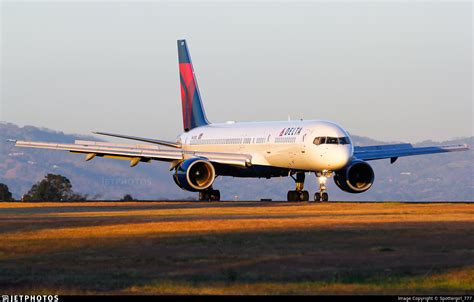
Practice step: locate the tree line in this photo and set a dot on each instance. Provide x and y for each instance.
(53, 187)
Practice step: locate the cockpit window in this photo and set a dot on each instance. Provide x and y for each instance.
(331, 140)
(344, 140)
(319, 140)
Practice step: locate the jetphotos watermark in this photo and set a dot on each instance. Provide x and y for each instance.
(30, 298)
(125, 181)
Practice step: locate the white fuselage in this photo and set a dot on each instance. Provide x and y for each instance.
(284, 144)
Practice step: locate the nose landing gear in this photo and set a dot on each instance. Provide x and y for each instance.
(298, 194)
(322, 195)
(318, 196)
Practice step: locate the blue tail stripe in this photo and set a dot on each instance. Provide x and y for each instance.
(183, 53)
(198, 115)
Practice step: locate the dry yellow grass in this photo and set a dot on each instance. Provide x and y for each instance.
(454, 282)
(236, 248)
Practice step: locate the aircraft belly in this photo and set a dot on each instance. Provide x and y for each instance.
(255, 171)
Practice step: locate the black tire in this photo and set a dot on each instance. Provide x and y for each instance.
(304, 196)
(324, 196)
(204, 196)
(292, 196)
(317, 197)
(215, 195)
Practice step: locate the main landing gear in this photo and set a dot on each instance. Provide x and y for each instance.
(210, 195)
(298, 194)
(322, 195)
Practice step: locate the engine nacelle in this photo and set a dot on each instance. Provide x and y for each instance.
(357, 177)
(194, 174)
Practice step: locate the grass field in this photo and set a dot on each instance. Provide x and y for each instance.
(236, 248)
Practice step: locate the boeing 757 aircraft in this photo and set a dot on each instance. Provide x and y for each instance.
(255, 149)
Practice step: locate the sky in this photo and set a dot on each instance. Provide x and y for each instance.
(389, 70)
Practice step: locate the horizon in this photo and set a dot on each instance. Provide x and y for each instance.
(113, 139)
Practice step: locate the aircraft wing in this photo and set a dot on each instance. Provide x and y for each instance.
(137, 152)
(398, 150)
(143, 139)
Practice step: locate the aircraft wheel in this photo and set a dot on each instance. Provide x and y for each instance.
(292, 196)
(304, 196)
(215, 195)
(324, 196)
(317, 197)
(204, 196)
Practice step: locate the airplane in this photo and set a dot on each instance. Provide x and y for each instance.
(290, 148)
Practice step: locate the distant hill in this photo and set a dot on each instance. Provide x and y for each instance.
(438, 177)
(20, 168)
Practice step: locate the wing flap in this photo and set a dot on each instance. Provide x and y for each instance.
(400, 150)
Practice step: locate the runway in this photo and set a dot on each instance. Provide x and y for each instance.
(237, 248)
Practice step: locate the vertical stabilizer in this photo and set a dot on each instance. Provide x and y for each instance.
(193, 110)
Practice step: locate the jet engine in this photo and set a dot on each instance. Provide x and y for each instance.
(357, 177)
(194, 174)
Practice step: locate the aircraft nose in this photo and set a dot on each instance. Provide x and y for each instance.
(339, 157)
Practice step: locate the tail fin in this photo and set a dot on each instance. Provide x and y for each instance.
(193, 111)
